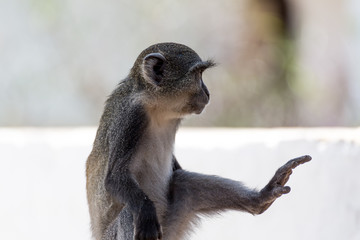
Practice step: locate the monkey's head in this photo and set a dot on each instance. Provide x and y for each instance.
(169, 75)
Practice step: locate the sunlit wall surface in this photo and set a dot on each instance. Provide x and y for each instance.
(281, 63)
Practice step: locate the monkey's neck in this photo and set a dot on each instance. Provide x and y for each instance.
(161, 118)
(169, 125)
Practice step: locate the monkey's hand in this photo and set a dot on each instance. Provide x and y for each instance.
(276, 187)
(147, 226)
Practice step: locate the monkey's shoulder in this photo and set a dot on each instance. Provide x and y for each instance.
(121, 96)
(122, 104)
(123, 118)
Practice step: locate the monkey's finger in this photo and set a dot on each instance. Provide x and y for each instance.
(286, 189)
(293, 163)
(278, 191)
(281, 176)
(284, 172)
(284, 177)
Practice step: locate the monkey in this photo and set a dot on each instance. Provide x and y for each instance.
(136, 188)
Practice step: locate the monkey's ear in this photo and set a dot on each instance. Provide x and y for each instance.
(153, 67)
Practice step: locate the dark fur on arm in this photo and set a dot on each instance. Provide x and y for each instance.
(119, 182)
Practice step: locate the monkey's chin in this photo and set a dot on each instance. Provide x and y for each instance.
(193, 109)
(199, 110)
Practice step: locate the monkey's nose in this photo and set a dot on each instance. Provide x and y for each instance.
(204, 88)
(206, 93)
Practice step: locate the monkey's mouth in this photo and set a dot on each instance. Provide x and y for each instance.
(198, 108)
(193, 108)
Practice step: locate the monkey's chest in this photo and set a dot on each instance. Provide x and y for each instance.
(152, 168)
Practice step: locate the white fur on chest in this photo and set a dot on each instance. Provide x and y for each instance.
(152, 165)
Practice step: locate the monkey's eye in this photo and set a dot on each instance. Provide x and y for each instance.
(198, 77)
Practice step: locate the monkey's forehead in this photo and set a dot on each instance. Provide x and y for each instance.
(175, 53)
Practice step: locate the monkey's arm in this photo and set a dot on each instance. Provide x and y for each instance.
(123, 138)
(206, 194)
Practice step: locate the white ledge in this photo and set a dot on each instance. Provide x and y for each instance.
(42, 181)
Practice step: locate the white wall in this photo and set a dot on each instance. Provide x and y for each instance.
(42, 181)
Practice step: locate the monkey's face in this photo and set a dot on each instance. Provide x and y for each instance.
(183, 94)
(173, 77)
(197, 95)
(180, 96)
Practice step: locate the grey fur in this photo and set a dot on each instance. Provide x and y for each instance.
(136, 189)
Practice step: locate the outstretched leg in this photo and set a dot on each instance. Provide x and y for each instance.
(194, 193)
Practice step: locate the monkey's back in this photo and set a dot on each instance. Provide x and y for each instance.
(103, 210)
(102, 207)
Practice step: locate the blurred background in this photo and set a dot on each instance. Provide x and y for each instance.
(281, 63)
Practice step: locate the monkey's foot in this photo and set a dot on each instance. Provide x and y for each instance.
(276, 187)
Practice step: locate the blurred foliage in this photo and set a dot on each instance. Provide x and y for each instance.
(281, 63)
(258, 86)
